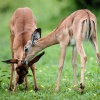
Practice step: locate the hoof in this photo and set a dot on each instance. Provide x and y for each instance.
(26, 88)
(9, 89)
(82, 86)
(36, 89)
(81, 89)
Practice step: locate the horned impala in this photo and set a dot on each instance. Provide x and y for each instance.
(72, 31)
(22, 25)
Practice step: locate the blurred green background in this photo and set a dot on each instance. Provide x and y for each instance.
(48, 14)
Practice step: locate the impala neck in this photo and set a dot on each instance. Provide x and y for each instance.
(48, 40)
(41, 44)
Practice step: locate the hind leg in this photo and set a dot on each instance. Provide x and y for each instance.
(74, 64)
(95, 45)
(83, 57)
(94, 42)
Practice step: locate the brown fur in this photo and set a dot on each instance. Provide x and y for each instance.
(22, 25)
(72, 31)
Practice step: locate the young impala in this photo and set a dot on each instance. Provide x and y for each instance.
(72, 31)
(22, 25)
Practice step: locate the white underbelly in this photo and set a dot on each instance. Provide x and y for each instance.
(72, 42)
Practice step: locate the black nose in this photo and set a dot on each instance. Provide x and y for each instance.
(20, 82)
(26, 49)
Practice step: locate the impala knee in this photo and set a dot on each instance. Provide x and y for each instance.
(85, 59)
(98, 58)
(60, 67)
(83, 62)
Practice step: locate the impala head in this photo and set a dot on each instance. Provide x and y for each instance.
(22, 67)
(32, 47)
(35, 36)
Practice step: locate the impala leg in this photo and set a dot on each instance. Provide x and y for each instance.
(11, 77)
(25, 83)
(95, 45)
(18, 55)
(16, 76)
(34, 76)
(74, 64)
(12, 65)
(94, 41)
(61, 63)
(83, 57)
(15, 81)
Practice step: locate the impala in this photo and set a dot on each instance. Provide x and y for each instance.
(22, 25)
(72, 31)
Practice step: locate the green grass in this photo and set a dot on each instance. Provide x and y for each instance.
(48, 15)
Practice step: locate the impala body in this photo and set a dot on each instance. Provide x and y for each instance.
(22, 25)
(72, 31)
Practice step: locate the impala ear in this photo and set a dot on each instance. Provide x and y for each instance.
(36, 35)
(35, 59)
(11, 61)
